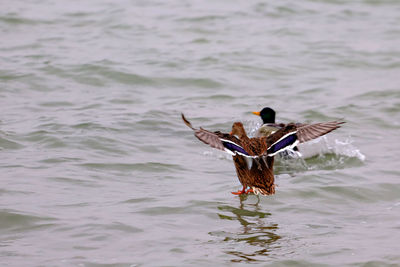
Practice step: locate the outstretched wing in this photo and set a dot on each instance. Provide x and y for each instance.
(308, 132)
(218, 140)
(292, 134)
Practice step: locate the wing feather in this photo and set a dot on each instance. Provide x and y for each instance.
(308, 132)
(218, 140)
(209, 138)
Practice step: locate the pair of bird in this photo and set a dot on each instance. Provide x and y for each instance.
(254, 157)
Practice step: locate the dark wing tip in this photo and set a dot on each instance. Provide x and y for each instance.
(339, 123)
(187, 122)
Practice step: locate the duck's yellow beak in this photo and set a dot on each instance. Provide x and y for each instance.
(256, 113)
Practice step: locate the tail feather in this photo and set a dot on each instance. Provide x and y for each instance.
(264, 192)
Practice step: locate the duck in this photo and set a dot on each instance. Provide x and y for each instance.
(254, 157)
(269, 126)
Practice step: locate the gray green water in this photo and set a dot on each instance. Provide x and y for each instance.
(97, 168)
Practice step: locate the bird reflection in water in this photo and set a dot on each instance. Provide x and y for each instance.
(255, 230)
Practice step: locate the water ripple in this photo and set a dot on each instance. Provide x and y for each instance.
(97, 168)
(15, 222)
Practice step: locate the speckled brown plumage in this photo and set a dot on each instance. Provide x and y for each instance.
(260, 176)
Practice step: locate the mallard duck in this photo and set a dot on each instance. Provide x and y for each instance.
(254, 157)
(269, 126)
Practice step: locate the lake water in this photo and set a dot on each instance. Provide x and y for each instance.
(97, 168)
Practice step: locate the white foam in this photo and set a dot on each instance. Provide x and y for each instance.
(324, 145)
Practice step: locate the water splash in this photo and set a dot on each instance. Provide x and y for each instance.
(322, 154)
(325, 145)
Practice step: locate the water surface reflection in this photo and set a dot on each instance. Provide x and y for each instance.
(256, 238)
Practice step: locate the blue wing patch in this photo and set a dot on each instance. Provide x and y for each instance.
(286, 142)
(234, 148)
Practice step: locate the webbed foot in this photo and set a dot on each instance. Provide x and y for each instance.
(240, 192)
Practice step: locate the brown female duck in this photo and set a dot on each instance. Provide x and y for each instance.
(254, 157)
